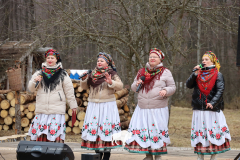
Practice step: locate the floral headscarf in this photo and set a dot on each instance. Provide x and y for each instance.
(213, 58)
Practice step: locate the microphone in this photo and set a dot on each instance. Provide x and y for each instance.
(140, 85)
(201, 65)
(37, 83)
(88, 72)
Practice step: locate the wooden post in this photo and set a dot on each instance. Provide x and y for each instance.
(7, 84)
(17, 113)
(23, 76)
(29, 69)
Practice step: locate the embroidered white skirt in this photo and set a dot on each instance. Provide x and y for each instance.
(53, 125)
(209, 126)
(149, 127)
(101, 119)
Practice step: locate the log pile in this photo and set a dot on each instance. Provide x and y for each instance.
(27, 107)
(7, 110)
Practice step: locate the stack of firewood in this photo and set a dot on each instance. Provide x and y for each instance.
(7, 110)
(27, 107)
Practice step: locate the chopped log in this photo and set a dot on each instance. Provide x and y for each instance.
(81, 116)
(75, 85)
(124, 100)
(76, 123)
(129, 118)
(5, 104)
(125, 125)
(79, 89)
(121, 93)
(68, 129)
(126, 108)
(2, 97)
(23, 107)
(81, 124)
(13, 126)
(78, 95)
(85, 103)
(13, 102)
(120, 111)
(5, 91)
(85, 109)
(70, 123)
(1, 120)
(84, 98)
(8, 120)
(10, 96)
(12, 111)
(22, 114)
(81, 109)
(25, 98)
(26, 111)
(70, 112)
(5, 127)
(30, 115)
(26, 129)
(1, 127)
(88, 91)
(66, 117)
(85, 95)
(123, 118)
(126, 114)
(76, 130)
(79, 101)
(4, 113)
(119, 104)
(14, 119)
(32, 106)
(24, 122)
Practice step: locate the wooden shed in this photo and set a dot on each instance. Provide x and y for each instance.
(27, 53)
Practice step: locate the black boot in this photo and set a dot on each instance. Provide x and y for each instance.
(107, 154)
(101, 153)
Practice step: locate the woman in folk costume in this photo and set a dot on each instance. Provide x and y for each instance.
(149, 123)
(102, 117)
(209, 134)
(55, 86)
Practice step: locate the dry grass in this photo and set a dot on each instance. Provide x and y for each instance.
(180, 126)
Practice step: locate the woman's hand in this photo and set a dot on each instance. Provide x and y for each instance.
(209, 105)
(139, 81)
(83, 78)
(163, 93)
(108, 78)
(38, 78)
(197, 67)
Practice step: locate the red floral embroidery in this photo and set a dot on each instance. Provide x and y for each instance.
(52, 132)
(106, 132)
(34, 131)
(196, 133)
(137, 132)
(58, 127)
(45, 127)
(218, 136)
(85, 126)
(93, 131)
(144, 138)
(101, 128)
(134, 132)
(201, 133)
(210, 132)
(155, 139)
(224, 129)
(39, 126)
(152, 124)
(163, 133)
(113, 126)
(119, 124)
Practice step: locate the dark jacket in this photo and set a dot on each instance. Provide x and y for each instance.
(215, 97)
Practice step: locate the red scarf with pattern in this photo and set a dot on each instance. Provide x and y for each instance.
(149, 79)
(206, 80)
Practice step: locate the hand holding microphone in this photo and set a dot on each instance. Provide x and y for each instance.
(84, 75)
(140, 83)
(37, 80)
(198, 67)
